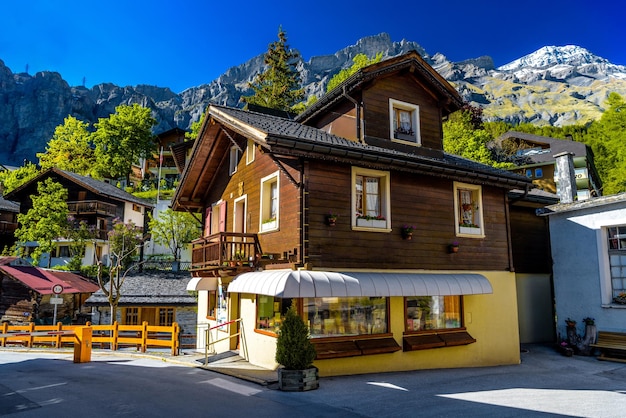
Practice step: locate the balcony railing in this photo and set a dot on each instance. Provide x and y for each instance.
(92, 207)
(225, 249)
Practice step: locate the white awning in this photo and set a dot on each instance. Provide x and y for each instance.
(202, 283)
(307, 283)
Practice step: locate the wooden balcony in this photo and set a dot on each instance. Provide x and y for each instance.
(225, 250)
(89, 207)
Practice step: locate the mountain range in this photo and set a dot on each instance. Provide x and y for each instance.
(553, 85)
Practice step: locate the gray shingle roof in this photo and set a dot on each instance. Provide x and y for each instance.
(557, 146)
(8, 206)
(150, 289)
(306, 136)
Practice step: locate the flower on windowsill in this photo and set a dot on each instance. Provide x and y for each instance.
(620, 298)
(467, 225)
(589, 321)
(369, 217)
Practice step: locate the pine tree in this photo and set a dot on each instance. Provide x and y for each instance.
(278, 86)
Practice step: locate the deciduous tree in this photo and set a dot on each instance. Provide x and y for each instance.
(123, 138)
(70, 148)
(174, 229)
(46, 221)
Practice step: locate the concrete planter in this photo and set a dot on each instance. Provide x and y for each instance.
(298, 380)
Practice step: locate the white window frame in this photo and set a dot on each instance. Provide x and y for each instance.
(234, 160)
(606, 279)
(477, 202)
(250, 152)
(266, 203)
(385, 204)
(414, 110)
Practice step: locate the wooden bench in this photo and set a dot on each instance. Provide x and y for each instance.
(612, 346)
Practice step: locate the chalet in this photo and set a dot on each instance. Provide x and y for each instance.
(8, 222)
(25, 293)
(162, 165)
(535, 160)
(95, 202)
(397, 254)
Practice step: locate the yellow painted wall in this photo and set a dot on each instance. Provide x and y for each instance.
(491, 319)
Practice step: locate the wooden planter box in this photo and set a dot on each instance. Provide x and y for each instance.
(469, 230)
(298, 380)
(371, 223)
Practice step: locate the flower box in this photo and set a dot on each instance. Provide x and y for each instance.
(469, 230)
(371, 223)
(268, 225)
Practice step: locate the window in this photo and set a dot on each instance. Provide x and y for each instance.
(370, 197)
(269, 203)
(250, 151)
(136, 208)
(64, 251)
(468, 210)
(131, 316)
(404, 123)
(432, 313)
(529, 173)
(617, 259)
(538, 173)
(271, 312)
(335, 317)
(234, 160)
(211, 304)
(166, 317)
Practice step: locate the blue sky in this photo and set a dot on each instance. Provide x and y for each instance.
(185, 43)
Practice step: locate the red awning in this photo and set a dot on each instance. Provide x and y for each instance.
(42, 281)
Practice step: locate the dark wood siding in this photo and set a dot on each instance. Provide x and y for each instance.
(425, 202)
(530, 240)
(405, 88)
(247, 181)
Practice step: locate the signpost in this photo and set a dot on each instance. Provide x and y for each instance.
(57, 289)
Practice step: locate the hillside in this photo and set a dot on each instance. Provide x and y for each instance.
(554, 85)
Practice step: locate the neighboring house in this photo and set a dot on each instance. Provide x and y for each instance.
(159, 298)
(375, 297)
(25, 293)
(8, 222)
(96, 202)
(588, 244)
(535, 160)
(161, 165)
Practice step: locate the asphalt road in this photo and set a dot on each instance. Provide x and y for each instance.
(37, 384)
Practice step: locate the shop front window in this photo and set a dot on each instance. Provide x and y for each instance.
(425, 313)
(271, 312)
(335, 317)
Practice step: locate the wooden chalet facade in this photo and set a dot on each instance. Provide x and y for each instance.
(95, 202)
(352, 211)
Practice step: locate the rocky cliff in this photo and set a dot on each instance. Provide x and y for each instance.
(554, 85)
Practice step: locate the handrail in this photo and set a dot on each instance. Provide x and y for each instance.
(208, 342)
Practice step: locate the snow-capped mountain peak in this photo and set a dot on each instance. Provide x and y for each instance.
(554, 55)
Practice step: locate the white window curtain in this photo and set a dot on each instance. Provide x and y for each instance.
(373, 196)
(273, 200)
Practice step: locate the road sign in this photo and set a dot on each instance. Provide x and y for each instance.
(56, 301)
(57, 289)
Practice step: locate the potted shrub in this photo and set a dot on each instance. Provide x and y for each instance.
(295, 353)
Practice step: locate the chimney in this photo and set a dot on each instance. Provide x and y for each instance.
(566, 177)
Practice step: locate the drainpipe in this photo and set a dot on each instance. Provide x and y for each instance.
(358, 113)
(566, 177)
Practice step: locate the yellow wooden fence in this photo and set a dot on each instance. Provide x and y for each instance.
(114, 336)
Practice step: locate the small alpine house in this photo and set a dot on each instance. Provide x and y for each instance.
(396, 254)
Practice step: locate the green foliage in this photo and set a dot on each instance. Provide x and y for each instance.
(11, 180)
(174, 229)
(294, 349)
(46, 220)
(607, 138)
(301, 107)
(121, 139)
(70, 148)
(195, 127)
(278, 86)
(359, 61)
(462, 137)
